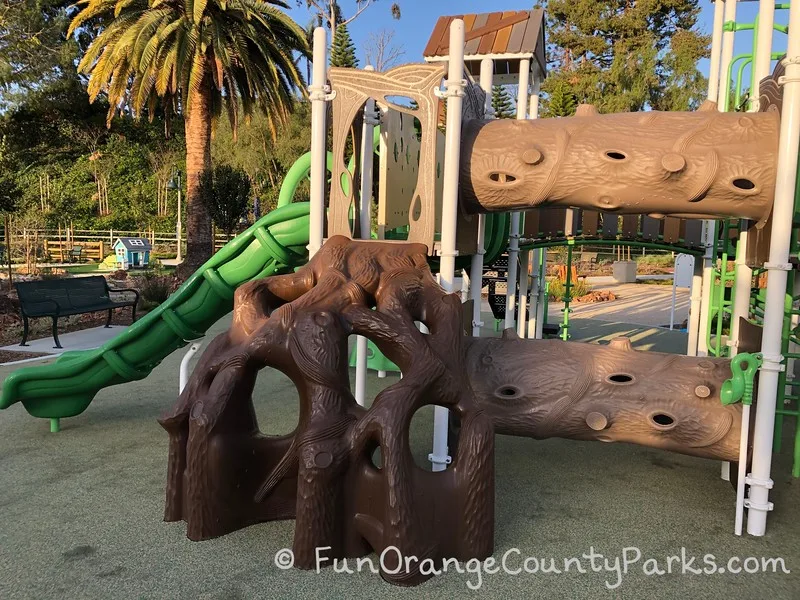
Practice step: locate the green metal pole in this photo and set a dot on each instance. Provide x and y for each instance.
(55, 425)
(567, 296)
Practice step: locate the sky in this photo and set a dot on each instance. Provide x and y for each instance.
(419, 16)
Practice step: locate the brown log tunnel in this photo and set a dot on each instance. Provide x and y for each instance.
(693, 165)
(223, 474)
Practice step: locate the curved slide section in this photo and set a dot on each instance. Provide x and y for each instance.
(275, 244)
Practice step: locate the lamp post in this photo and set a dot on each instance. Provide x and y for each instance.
(175, 184)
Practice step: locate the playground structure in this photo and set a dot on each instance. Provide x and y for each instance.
(324, 474)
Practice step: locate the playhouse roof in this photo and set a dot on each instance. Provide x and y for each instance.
(134, 243)
(507, 37)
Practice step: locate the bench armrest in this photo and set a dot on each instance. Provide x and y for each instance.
(117, 290)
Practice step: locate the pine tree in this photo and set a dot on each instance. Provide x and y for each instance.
(501, 102)
(561, 102)
(343, 50)
(627, 56)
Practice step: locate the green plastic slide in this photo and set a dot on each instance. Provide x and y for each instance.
(275, 244)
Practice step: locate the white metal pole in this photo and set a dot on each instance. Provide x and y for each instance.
(780, 236)
(179, 224)
(762, 61)
(744, 275)
(524, 277)
(695, 297)
(534, 257)
(536, 285)
(183, 376)
(540, 308)
(716, 43)
(513, 236)
(476, 268)
(455, 95)
(455, 92)
(365, 226)
(522, 318)
(726, 54)
(318, 94)
(672, 304)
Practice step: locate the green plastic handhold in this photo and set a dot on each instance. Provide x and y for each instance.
(375, 359)
(740, 386)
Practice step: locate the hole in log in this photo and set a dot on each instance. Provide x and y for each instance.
(502, 177)
(416, 208)
(274, 415)
(508, 392)
(376, 458)
(420, 433)
(743, 183)
(616, 155)
(662, 419)
(620, 378)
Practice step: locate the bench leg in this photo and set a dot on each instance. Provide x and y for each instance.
(24, 331)
(55, 332)
(133, 314)
(108, 320)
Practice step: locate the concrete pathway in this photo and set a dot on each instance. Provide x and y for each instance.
(636, 303)
(85, 339)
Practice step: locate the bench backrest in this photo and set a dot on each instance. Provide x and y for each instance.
(75, 292)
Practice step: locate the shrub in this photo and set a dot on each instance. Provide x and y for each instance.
(225, 192)
(556, 289)
(155, 288)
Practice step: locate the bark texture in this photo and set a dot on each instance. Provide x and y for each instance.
(198, 159)
(701, 164)
(223, 474)
(550, 388)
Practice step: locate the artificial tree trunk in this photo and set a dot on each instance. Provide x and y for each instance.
(693, 165)
(549, 388)
(198, 158)
(223, 474)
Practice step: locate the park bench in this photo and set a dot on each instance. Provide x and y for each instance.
(56, 298)
(75, 254)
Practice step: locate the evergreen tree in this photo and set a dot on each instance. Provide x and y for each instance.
(561, 102)
(627, 56)
(343, 50)
(501, 102)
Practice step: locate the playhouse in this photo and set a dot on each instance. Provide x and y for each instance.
(132, 252)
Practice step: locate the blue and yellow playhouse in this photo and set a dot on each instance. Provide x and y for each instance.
(132, 252)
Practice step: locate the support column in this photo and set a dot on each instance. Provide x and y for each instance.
(318, 94)
(365, 229)
(525, 257)
(513, 245)
(758, 504)
(709, 225)
(455, 96)
(522, 320)
(695, 301)
(716, 46)
(476, 268)
(537, 286)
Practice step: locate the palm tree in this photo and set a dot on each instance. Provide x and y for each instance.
(197, 57)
